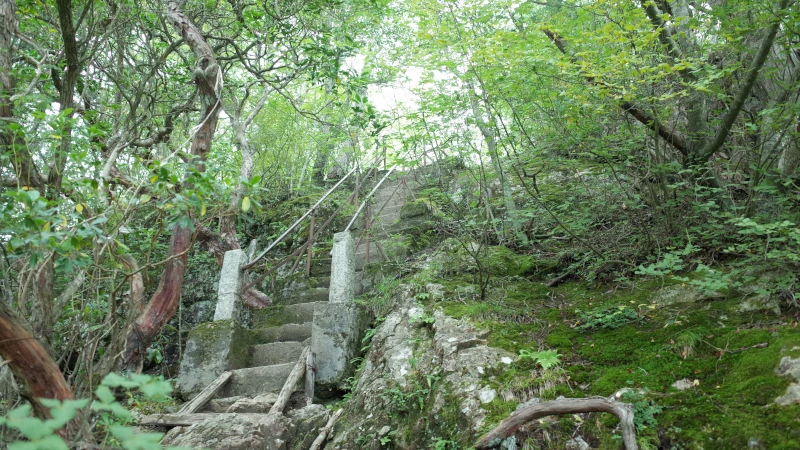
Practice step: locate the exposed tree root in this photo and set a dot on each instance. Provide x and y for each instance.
(564, 406)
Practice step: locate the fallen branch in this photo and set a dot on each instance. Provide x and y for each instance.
(564, 406)
(323, 432)
(558, 280)
(297, 372)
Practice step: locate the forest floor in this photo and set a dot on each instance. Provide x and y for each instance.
(700, 368)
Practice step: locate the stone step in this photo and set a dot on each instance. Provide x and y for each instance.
(257, 380)
(284, 314)
(284, 333)
(321, 267)
(275, 353)
(312, 295)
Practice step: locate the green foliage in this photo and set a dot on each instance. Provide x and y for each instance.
(113, 417)
(412, 397)
(644, 409)
(445, 444)
(611, 317)
(545, 358)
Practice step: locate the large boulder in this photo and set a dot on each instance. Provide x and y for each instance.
(236, 432)
(425, 367)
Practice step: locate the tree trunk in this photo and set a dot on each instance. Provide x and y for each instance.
(27, 358)
(511, 217)
(30, 363)
(165, 300)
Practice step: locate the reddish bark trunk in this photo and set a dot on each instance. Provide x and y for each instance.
(30, 362)
(136, 282)
(164, 303)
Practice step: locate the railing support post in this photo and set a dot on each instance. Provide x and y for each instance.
(310, 245)
(343, 268)
(229, 294)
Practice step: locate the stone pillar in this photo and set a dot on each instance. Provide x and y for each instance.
(214, 347)
(229, 294)
(343, 268)
(335, 340)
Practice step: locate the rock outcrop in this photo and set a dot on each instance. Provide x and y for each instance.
(423, 372)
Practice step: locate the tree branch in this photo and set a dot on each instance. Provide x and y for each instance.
(564, 406)
(637, 113)
(736, 107)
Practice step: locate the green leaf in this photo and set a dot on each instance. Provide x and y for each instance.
(104, 394)
(51, 442)
(245, 204)
(116, 380)
(545, 358)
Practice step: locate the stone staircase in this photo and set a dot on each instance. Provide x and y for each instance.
(385, 218)
(243, 396)
(233, 375)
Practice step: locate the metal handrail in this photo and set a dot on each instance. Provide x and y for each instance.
(372, 192)
(369, 197)
(301, 219)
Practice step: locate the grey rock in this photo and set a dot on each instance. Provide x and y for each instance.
(764, 302)
(789, 367)
(683, 384)
(275, 353)
(310, 295)
(286, 332)
(212, 348)
(200, 312)
(229, 294)
(531, 402)
(577, 443)
(237, 432)
(336, 339)
(436, 290)
(257, 380)
(307, 421)
(671, 295)
(343, 268)
(220, 405)
(385, 430)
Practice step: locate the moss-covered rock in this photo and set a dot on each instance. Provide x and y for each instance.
(211, 349)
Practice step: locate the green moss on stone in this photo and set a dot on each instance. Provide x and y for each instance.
(207, 334)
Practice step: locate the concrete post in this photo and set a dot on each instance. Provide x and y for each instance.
(229, 295)
(343, 268)
(214, 347)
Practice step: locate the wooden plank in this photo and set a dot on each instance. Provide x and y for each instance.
(175, 420)
(182, 420)
(288, 387)
(310, 361)
(206, 394)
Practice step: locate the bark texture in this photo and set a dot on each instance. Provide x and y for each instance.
(30, 363)
(564, 406)
(164, 302)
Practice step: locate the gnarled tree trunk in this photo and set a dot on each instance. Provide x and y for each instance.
(165, 300)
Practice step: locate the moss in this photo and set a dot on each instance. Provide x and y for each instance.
(268, 317)
(415, 208)
(496, 411)
(502, 261)
(207, 334)
(710, 341)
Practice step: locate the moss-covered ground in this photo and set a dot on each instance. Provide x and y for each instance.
(729, 356)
